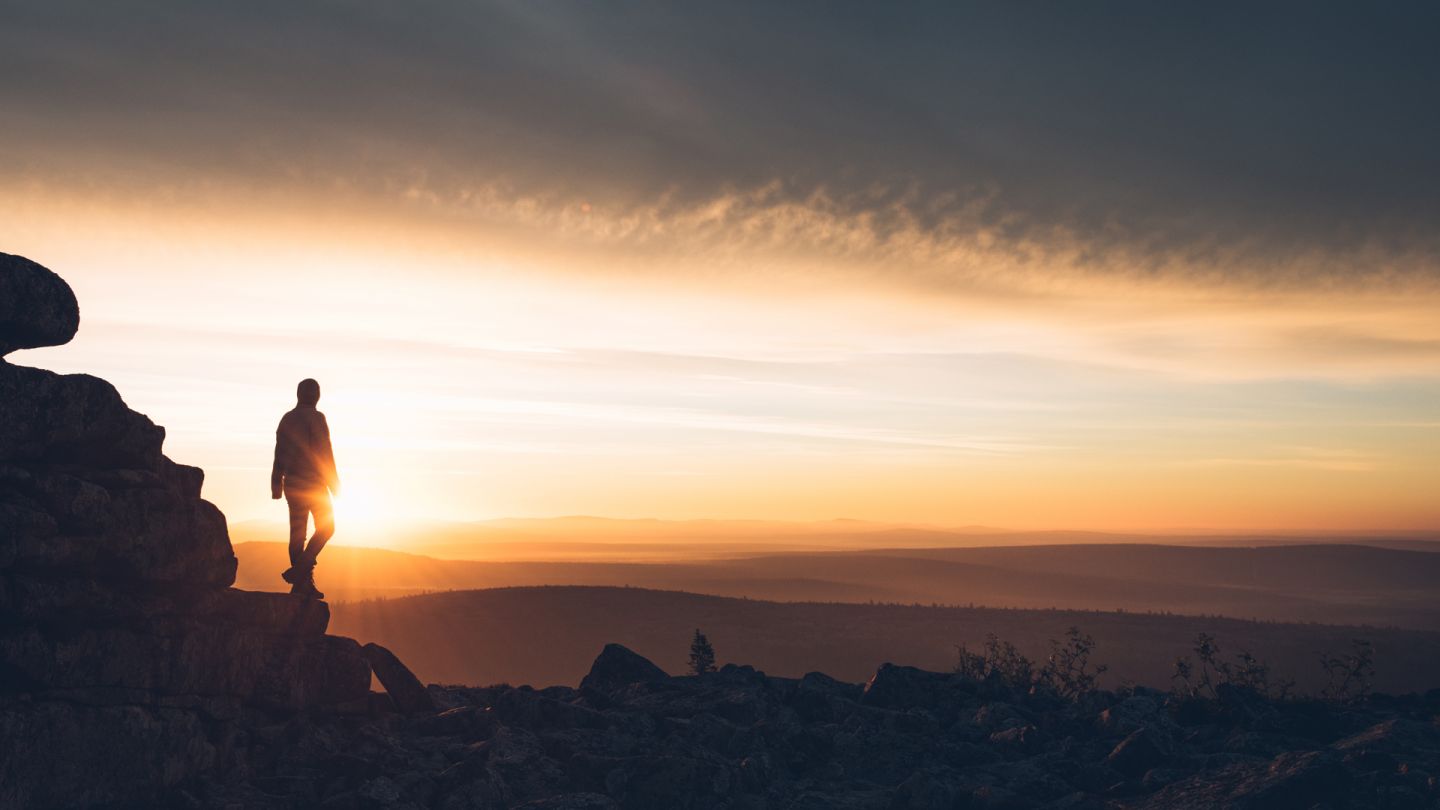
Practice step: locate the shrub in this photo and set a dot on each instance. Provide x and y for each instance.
(997, 658)
(1068, 670)
(1348, 676)
(1246, 672)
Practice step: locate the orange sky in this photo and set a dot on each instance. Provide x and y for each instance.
(976, 268)
(463, 384)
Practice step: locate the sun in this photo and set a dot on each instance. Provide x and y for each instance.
(361, 506)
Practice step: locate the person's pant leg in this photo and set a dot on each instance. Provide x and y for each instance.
(324, 513)
(299, 518)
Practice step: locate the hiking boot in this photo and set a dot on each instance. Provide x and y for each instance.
(306, 588)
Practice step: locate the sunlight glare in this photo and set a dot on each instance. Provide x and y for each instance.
(360, 509)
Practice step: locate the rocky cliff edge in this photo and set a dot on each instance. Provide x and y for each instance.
(128, 664)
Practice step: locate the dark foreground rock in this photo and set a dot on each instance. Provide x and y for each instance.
(406, 691)
(617, 667)
(738, 738)
(128, 666)
(37, 307)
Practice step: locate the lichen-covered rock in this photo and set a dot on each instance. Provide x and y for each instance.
(37, 307)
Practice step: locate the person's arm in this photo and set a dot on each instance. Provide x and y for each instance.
(277, 470)
(327, 458)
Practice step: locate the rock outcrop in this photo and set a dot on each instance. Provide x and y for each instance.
(617, 667)
(127, 663)
(408, 694)
(37, 307)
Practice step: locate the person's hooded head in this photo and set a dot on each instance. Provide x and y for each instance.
(308, 392)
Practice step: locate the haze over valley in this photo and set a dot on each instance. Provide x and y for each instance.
(532, 599)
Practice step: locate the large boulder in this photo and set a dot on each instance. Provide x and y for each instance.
(894, 686)
(37, 307)
(618, 667)
(404, 688)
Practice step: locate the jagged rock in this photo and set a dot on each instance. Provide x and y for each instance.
(37, 307)
(1294, 779)
(998, 716)
(816, 696)
(617, 667)
(1019, 739)
(469, 723)
(1130, 715)
(894, 686)
(404, 688)
(85, 491)
(665, 780)
(1138, 753)
(1397, 736)
(659, 744)
(534, 710)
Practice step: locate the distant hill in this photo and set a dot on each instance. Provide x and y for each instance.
(644, 540)
(1335, 584)
(549, 635)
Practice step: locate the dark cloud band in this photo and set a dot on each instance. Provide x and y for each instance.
(1158, 129)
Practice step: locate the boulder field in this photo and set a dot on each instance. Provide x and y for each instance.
(632, 737)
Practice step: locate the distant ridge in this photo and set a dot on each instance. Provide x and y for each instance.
(497, 630)
(1331, 583)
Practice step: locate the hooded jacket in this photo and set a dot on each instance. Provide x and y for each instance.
(304, 459)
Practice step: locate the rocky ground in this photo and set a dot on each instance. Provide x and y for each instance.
(632, 737)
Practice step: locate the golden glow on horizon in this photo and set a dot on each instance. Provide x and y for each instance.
(476, 377)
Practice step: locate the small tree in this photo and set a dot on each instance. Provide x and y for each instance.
(702, 655)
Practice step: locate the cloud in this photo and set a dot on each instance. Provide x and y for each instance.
(1276, 146)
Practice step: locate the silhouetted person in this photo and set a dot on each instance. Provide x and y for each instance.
(304, 473)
